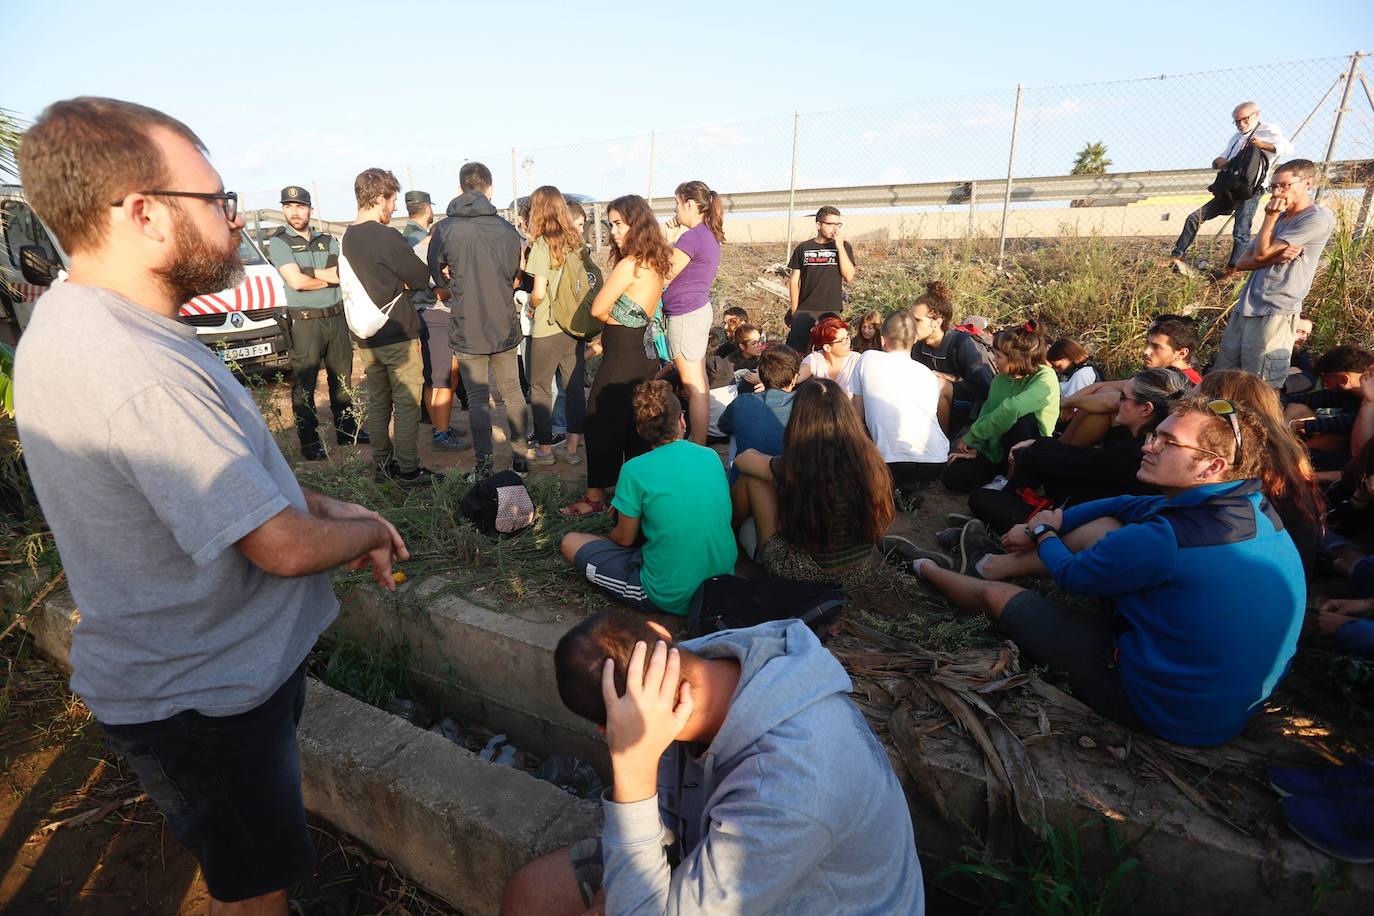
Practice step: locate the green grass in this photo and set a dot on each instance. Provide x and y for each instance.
(1056, 879)
(492, 571)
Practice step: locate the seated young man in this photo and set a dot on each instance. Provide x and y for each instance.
(676, 495)
(745, 780)
(1170, 342)
(898, 399)
(964, 366)
(758, 420)
(733, 317)
(1208, 588)
(1324, 417)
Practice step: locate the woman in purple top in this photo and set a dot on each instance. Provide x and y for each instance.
(686, 299)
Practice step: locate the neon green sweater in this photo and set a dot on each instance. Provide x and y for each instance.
(1010, 399)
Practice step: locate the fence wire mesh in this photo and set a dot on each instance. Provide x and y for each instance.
(938, 168)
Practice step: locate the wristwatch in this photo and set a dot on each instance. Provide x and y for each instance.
(1043, 529)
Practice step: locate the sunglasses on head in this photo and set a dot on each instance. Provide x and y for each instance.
(1227, 411)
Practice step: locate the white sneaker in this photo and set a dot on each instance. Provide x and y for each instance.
(997, 483)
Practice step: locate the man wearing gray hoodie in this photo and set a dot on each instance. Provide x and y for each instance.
(745, 781)
(475, 254)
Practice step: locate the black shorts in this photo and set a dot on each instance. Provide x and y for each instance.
(1082, 643)
(435, 347)
(231, 789)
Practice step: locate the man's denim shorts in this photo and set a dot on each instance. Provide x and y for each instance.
(231, 789)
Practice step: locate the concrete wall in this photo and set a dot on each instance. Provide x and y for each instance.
(460, 826)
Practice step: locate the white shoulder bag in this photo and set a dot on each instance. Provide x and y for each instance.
(363, 316)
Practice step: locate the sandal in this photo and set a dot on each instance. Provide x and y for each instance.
(576, 509)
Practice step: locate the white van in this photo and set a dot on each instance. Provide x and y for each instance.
(240, 324)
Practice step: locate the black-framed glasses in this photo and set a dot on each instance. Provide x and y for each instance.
(1227, 411)
(836, 225)
(752, 341)
(228, 200)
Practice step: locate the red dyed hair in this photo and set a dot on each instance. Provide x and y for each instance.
(826, 330)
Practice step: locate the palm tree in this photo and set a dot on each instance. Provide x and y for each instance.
(1092, 160)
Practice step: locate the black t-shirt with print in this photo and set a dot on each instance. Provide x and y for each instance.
(821, 286)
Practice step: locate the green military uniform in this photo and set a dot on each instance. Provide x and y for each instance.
(415, 234)
(319, 332)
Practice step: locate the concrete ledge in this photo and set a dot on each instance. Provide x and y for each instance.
(483, 665)
(461, 826)
(456, 824)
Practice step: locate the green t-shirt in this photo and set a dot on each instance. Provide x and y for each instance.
(540, 264)
(679, 494)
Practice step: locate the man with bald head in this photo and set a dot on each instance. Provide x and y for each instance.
(1250, 131)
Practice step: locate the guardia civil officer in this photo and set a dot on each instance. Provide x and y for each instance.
(308, 262)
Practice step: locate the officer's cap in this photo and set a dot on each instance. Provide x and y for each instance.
(417, 197)
(295, 194)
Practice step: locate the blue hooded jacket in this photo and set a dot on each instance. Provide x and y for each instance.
(1212, 591)
(792, 809)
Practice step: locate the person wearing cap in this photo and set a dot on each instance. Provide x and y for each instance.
(818, 270)
(419, 217)
(308, 261)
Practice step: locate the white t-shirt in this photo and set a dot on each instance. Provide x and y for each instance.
(901, 398)
(1078, 381)
(821, 369)
(1269, 133)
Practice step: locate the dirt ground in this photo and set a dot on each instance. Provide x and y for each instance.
(123, 860)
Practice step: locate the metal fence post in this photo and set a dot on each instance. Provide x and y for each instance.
(653, 150)
(792, 188)
(1340, 117)
(598, 214)
(1011, 165)
(315, 199)
(514, 185)
(410, 179)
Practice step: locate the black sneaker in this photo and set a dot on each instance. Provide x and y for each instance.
(420, 477)
(381, 473)
(362, 438)
(313, 452)
(559, 439)
(520, 466)
(899, 550)
(975, 543)
(948, 538)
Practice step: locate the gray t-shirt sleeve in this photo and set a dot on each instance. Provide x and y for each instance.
(230, 493)
(1316, 227)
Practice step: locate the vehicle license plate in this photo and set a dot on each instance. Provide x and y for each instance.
(245, 352)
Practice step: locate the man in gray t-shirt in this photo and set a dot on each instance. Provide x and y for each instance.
(1282, 260)
(198, 563)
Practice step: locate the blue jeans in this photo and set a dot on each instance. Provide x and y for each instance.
(1240, 229)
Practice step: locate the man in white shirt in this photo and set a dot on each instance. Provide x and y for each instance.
(1269, 140)
(898, 399)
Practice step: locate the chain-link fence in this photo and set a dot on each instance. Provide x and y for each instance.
(1125, 158)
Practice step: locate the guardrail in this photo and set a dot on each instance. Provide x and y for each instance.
(1111, 187)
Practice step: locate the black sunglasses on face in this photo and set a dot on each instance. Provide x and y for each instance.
(228, 200)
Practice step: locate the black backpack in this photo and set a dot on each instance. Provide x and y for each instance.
(1243, 177)
(734, 602)
(499, 505)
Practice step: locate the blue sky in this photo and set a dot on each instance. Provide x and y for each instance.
(313, 93)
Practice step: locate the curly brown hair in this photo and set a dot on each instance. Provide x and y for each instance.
(644, 244)
(937, 300)
(827, 460)
(550, 220)
(658, 413)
